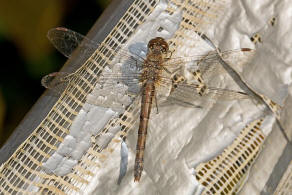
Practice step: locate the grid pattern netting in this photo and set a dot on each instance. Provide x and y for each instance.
(225, 173)
(196, 15)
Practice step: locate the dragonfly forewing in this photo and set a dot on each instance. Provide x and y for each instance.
(67, 41)
(209, 63)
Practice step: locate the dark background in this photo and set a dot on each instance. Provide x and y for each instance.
(27, 55)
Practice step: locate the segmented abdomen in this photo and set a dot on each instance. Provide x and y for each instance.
(146, 104)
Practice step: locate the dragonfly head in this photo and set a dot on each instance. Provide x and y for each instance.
(158, 46)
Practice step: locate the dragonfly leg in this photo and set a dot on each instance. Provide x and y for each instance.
(166, 70)
(170, 72)
(169, 57)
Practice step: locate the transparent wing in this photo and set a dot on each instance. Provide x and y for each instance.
(67, 41)
(189, 92)
(210, 62)
(209, 57)
(57, 81)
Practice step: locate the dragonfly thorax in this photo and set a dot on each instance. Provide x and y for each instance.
(151, 73)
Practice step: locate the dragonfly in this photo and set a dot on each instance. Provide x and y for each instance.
(157, 77)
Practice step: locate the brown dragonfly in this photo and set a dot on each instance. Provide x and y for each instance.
(154, 72)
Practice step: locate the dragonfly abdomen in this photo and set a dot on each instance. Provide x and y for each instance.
(146, 104)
